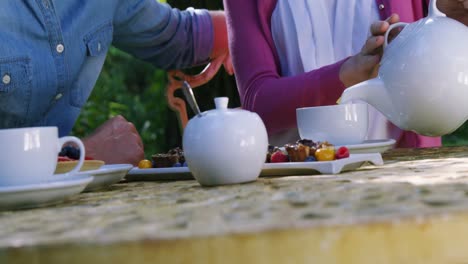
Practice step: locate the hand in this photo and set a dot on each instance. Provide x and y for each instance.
(456, 9)
(364, 65)
(220, 44)
(116, 141)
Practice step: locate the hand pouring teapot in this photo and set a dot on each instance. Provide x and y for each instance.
(422, 83)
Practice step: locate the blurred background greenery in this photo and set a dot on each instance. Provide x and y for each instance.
(136, 90)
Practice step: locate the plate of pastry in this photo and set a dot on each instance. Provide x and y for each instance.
(354, 161)
(162, 166)
(302, 158)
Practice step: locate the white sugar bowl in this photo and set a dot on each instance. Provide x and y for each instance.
(225, 146)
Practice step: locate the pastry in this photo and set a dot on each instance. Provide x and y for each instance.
(297, 152)
(164, 160)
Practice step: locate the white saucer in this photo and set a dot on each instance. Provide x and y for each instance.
(35, 195)
(106, 176)
(371, 146)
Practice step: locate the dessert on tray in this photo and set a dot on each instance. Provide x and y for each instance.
(306, 150)
(173, 158)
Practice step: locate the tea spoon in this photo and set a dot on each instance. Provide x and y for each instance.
(188, 93)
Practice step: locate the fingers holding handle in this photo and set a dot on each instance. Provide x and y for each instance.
(390, 28)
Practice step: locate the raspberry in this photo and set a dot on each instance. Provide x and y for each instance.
(60, 158)
(342, 152)
(279, 156)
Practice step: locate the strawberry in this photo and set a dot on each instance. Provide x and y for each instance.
(279, 156)
(342, 152)
(65, 158)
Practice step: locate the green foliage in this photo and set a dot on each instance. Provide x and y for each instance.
(133, 89)
(458, 137)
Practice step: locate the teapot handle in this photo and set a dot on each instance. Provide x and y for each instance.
(433, 10)
(392, 26)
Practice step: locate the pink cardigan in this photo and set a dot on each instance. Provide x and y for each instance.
(275, 98)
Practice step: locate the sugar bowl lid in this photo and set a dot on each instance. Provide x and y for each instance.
(222, 111)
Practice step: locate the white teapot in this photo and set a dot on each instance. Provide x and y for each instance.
(225, 146)
(422, 83)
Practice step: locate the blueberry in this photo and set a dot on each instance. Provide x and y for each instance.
(177, 164)
(74, 153)
(310, 159)
(63, 152)
(70, 151)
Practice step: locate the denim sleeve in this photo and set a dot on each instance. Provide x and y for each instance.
(166, 37)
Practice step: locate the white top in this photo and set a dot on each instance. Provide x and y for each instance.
(309, 34)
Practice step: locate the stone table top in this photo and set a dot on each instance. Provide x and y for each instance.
(416, 184)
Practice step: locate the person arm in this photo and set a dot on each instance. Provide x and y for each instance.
(261, 86)
(168, 37)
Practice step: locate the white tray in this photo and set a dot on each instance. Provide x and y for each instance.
(269, 169)
(324, 167)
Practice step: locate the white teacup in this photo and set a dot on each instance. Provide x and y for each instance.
(29, 155)
(344, 124)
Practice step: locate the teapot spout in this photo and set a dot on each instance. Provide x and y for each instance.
(372, 92)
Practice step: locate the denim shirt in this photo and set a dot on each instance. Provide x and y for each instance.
(52, 51)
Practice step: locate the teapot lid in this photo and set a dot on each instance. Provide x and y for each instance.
(222, 123)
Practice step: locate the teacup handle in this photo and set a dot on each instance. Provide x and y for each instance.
(392, 26)
(80, 144)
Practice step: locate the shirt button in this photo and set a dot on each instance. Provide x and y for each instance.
(381, 6)
(58, 96)
(6, 79)
(60, 48)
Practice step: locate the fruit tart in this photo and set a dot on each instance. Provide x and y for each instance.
(68, 159)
